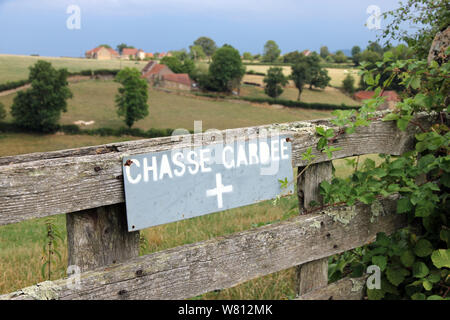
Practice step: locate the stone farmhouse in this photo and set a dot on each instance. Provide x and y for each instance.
(102, 53)
(160, 75)
(132, 53)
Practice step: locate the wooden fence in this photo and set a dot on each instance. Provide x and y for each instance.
(87, 185)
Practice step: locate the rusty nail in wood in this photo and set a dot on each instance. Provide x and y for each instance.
(122, 292)
(97, 169)
(139, 273)
(128, 163)
(288, 140)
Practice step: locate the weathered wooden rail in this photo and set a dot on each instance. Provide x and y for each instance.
(87, 185)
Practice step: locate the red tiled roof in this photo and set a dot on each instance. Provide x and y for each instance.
(155, 68)
(95, 50)
(129, 51)
(178, 77)
(364, 95)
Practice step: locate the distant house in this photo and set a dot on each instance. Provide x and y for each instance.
(391, 98)
(102, 53)
(180, 81)
(164, 54)
(140, 54)
(161, 75)
(149, 55)
(129, 53)
(306, 53)
(154, 71)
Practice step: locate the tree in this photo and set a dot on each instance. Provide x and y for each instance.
(180, 54)
(197, 52)
(131, 99)
(208, 45)
(320, 79)
(356, 55)
(274, 80)
(375, 47)
(370, 56)
(247, 56)
(324, 52)
(105, 46)
(317, 76)
(122, 46)
(226, 69)
(2, 111)
(340, 57)
(178, 66)
(300, 75)
(39, 107)
(428, 17)
(349, 84)
(271, 51)
(292, 57)
(355, 50)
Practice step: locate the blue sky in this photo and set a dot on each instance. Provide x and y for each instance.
(39, 26)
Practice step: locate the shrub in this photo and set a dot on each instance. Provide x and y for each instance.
(2, 111)
(349, 84)
(13, 85)
(131, 99)
(39, 108)
(275, 80)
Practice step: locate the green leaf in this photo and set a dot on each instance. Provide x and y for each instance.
(404, 205)
(390, 117)
(420, 270)
(383, 239)
(380, 261)
(427, 285)
(322, 143)
(320, 131)
(435, 297)
(407, 258)
(402, 123)
(418, 296)
(423, 248)
(396, 275)
(441, 258)
(445, 235)
(415, 82)
(375, 294)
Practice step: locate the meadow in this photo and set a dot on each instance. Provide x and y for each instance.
(337, 75)
(15, 67)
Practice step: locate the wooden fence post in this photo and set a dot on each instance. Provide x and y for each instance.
(99, 237)
(314, 274)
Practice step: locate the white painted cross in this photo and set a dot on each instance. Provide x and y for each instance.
(219, 190)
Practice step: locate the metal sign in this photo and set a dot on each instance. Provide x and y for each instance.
(172, 185)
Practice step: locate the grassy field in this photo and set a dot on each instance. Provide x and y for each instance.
(20, 143)
(94, 100)
(14, 67)
(337, 75)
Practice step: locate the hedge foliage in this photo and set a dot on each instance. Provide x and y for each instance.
(99, 72)
(283, 102)
(72, 129)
